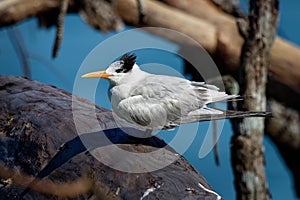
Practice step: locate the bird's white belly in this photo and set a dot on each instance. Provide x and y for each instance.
(116, 98)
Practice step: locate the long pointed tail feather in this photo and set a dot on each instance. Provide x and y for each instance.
(216, 114)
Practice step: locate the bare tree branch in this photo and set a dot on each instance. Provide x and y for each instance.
(14, 11)
(100, 14)
(247, 151)
(228, 6)
(283, 129)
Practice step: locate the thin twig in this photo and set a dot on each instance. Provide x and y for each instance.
(60, 26)
(215, 138)
(17, 40)
(216, 151)
(47, 63)
(141, 9)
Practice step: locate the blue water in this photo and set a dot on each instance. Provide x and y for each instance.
(79, 39)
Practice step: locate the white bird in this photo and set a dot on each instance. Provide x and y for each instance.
(158, 102)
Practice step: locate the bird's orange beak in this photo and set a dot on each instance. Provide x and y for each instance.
(98, 74)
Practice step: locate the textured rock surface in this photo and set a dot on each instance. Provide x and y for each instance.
(37, 119)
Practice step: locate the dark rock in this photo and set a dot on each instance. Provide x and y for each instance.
(39, 137)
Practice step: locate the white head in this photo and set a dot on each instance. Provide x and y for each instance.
(117, 70)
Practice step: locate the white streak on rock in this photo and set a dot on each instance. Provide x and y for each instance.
(210, 191)
(148, 191)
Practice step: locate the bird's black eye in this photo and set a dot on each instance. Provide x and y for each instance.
(119, 70)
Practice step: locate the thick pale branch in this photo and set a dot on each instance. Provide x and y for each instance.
(229, 40)
(14, 11)
(160, 15)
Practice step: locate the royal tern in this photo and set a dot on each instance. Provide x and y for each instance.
(158, 102)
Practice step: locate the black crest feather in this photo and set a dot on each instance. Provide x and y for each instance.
(129, 60)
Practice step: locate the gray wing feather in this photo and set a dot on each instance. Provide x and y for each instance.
(205, 85)
(161, 101)
(155, 103)
(210, 93)
(143, 111)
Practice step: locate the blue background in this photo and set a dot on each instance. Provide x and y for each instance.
(79, 39)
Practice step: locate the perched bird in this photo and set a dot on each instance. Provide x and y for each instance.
(158, 102)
